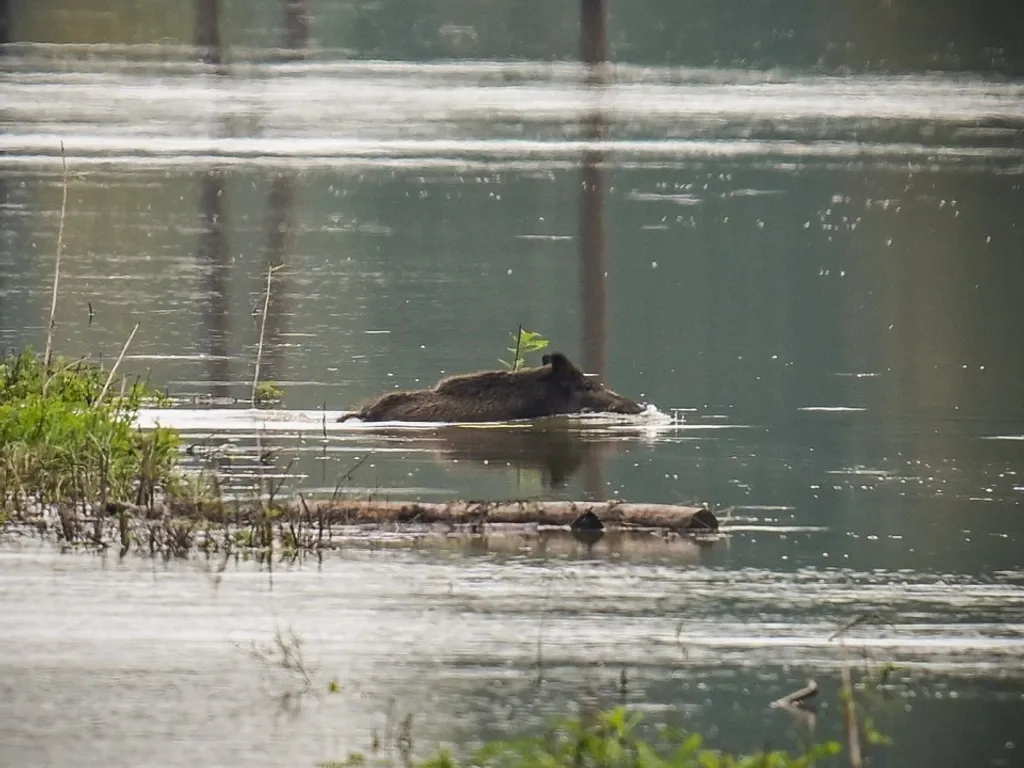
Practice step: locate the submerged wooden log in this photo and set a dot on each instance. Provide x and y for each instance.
(798, 697)
(613, 515)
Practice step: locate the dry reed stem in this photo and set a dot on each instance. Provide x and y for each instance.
(60, 247)
(850, 721)
(263, 328)
(851, 724)
(110, 376)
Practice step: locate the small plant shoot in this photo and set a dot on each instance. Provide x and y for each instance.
(523, 343)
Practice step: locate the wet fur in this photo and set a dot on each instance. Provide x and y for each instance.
(557, 387)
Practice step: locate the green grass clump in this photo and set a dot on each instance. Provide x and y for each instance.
(609, 739)
(267, 393)
(67, 435)
(612, 740)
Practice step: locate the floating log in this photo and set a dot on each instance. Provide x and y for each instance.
(590, 515)
(610, 514)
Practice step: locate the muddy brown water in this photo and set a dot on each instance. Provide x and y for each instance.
(811, 268)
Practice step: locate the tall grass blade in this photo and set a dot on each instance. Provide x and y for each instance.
(263, 327)
(60, 247)
(110, 376)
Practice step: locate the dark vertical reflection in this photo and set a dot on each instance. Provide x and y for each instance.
(593, 52)
(5, 21)
(208, 31)
(591, 223)
(213, 245)
(280, 225)
(5, 37)
(6, 258)
(593, 33)
(281, 209)
(297, 19)
(213, 258)
(592, 252)
(5, 32)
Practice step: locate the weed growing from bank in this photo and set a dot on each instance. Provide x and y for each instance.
(267, 393)
(619, 738)
(612, 739)
(609, 739)
(68, 437)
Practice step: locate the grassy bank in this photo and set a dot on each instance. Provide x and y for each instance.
(68, 439)
(75, 467)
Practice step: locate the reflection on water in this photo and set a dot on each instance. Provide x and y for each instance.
(811, 263)
(556, 454)
(155, 659)
(368, 113)
(544, 455)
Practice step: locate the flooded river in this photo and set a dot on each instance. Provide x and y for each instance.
(804, 246)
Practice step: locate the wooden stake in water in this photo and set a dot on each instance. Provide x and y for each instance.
(110, 376)
(60, 247)
(263, 328)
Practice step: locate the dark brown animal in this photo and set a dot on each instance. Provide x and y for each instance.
(555, 388)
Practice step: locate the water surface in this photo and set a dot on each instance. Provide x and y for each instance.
(806, 253)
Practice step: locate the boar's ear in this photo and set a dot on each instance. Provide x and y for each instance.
(564, 375)
(560, 365)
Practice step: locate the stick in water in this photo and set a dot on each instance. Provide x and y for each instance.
(263, 328)
(60, 247)
(113, 370)
(796, 698)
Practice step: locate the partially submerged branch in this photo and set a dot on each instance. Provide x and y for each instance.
(798, 697)
(206, 522)
(613, 515)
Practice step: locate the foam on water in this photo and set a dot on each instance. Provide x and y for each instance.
(252, 420)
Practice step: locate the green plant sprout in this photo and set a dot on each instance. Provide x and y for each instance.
(524, 342)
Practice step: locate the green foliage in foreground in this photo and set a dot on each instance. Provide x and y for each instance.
(523, 343)
(612, 740)
(66, 436)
